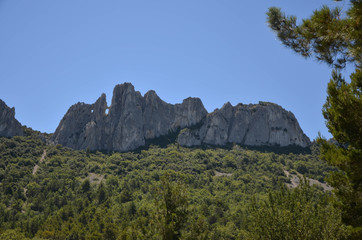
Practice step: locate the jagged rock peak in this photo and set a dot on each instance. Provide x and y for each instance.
(9, 126)
(131, 120)
(254, 124)
(151, 94)
(227, 105)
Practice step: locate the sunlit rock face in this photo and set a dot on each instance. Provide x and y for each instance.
(263, 124)
(9, 126)
(132, 119)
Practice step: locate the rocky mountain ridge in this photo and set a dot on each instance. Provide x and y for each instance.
(263, 124)
(9, 126)
(131, 119)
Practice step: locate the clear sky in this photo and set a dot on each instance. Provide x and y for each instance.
(56, 53)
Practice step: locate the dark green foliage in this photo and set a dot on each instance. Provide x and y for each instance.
(326, 35)
(172, 204)
(13, 234)
(295, 214)
(335, 37)
(343, 111)
(169, 193)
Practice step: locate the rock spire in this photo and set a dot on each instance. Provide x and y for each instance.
(9, 126)
(131, 119)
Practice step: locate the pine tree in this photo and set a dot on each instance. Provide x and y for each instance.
(335, 37)
(172, 207)
(301, 213)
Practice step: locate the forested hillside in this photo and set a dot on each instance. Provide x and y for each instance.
(52, 192)
(139, 167)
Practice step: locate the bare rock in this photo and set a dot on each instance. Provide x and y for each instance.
(131, 120)
(158, 115)
(125, 121)
(189, 113)
(9, 126)
(216, 127)
(189, 138)
(70, 129)
(263, 124)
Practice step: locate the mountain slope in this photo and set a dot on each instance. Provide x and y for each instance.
(84, 195)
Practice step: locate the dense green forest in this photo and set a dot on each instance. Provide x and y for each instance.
(52, 192)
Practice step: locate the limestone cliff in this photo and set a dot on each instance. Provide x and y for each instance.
(132, 119)
(260, 124)
(9, 126)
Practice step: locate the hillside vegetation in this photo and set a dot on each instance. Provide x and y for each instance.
(161, 193)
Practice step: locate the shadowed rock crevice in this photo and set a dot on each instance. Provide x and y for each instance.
(134, 121)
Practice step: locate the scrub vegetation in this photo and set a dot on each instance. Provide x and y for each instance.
(162, 193)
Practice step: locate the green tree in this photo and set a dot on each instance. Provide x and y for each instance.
(13, 234)
(326, 35)
(86, 186)
(301, 213)
(172, 208)
(101, 193)
(335, 37)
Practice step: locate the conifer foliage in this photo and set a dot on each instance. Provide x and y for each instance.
(326, 35)
(335, 37)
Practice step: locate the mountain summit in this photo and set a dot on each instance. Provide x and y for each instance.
(132, 119)
(9, 126)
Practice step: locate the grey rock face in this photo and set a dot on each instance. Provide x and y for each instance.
(125, 122)
(132, 118)
(189, 138)
(9, 126)
(260, 124)
(189, 113)
(76, 121)
(215, 129)
(158, 114)
(162, 118)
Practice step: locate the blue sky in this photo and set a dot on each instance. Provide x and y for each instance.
(56, 53)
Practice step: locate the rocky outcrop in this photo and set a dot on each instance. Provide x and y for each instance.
(263, 124)
(161, 117)
(9, 126)
(132, 119)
